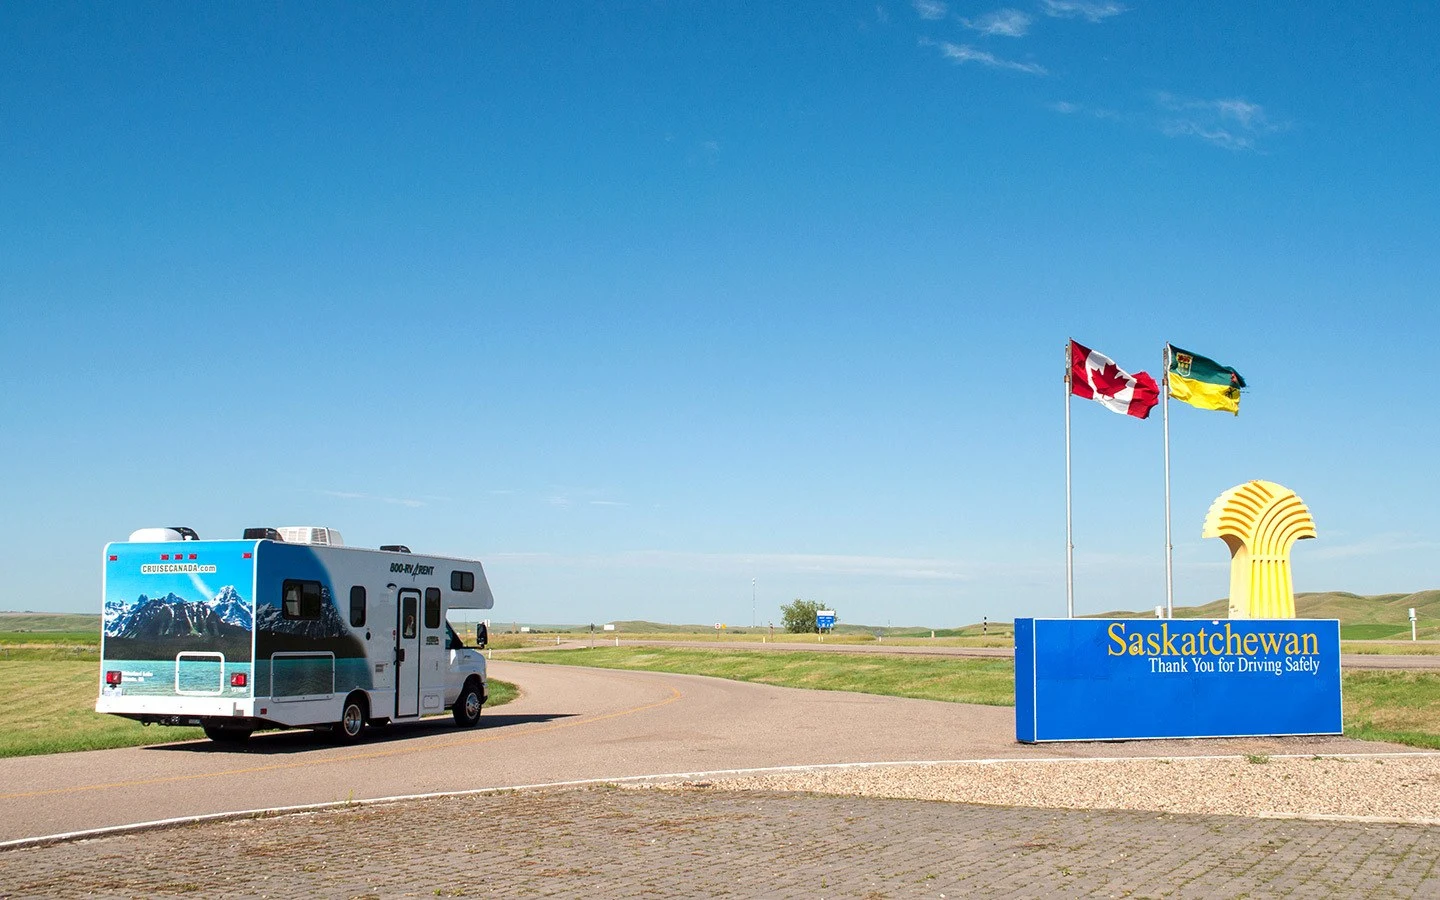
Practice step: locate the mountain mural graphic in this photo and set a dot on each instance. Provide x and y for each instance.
(230, 607)
(329, 632)
(160, 627)
(174, 615)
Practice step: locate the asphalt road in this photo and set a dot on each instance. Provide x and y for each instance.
(568, 724)
(1347, 660)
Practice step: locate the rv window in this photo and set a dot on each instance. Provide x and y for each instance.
(462, 581)
(357, 606)
(302, 600)
(432, 607)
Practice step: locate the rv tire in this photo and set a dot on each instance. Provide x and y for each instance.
(222, 734)
(352, 720)
(467, 705)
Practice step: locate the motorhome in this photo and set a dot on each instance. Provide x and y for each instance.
(286, 627)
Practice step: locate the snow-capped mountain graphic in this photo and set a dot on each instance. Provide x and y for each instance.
(229, 606)
(168, 616)
(114, 611)
(161, 627)
(329, 625)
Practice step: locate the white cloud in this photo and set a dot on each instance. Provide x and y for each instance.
(930, 9)
(1001, 22)
(1090, 10)
(1066, 108)
(411, 502)
(1376, 545)
(964, 53)
(1232, 123)
(904, 568)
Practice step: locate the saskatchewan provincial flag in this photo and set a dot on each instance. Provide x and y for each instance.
(1095, 376)
(1202, 382)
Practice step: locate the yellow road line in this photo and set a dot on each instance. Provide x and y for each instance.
(675, 694)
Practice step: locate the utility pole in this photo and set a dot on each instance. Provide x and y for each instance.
(752, 603)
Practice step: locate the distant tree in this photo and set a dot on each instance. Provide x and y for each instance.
(799, 616)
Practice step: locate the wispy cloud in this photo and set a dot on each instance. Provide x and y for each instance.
(964, 53)
(908, 568)
(930, 9)
(1375, 545)
(1090, 10)
(1232, 123)
(411, 502)
(1001, 22)
(1066, 108)
(566, 497)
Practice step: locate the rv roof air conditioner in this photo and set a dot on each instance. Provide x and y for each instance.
(310, 534)
(262, 534)
(162, 535)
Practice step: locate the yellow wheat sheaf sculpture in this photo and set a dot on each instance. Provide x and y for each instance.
(1260, 521)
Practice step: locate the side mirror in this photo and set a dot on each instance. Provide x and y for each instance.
(482, 635)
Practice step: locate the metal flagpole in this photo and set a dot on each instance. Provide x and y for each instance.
(1169, 550)
(1069, 543)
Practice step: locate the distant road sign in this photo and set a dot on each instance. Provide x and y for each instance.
(825, 618)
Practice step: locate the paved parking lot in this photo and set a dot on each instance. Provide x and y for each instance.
(647, 843)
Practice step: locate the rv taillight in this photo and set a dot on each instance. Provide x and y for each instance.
(113, 557)
(237, 679)
(112, 677)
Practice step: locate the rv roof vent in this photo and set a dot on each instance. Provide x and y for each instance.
(395, 548)
(309, 534)
(159, 535)
(262, 534)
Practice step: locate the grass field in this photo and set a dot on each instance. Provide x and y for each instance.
(50, 699)
(1401, 707)
(987, 681)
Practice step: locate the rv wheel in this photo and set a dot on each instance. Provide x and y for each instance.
(222, 734)
(467, 707)
(352, 720)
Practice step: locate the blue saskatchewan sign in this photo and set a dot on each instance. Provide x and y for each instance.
(1123, 679)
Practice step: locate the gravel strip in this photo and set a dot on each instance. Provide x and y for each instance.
(1393, 788)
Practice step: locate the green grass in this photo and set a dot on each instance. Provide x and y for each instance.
(30, 621)
(1400, 707)
(50, 708)
(1372, 631)
(500, 693)
(986, 681)
(1403, 707)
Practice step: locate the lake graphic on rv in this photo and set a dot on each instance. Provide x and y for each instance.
(311, 674)
(197, 676)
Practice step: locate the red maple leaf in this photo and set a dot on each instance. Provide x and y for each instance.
(1109, 381)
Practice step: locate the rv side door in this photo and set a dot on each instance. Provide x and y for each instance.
(407, 654)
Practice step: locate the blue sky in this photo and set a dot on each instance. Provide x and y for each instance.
(638, 302)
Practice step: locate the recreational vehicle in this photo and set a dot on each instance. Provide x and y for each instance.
(286, 627)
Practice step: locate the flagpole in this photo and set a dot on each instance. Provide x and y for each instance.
(1069, 543)
(1169, 550)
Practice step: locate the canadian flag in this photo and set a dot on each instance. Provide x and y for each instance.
(1095, 376)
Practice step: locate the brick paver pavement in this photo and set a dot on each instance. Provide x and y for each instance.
(650, 843)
